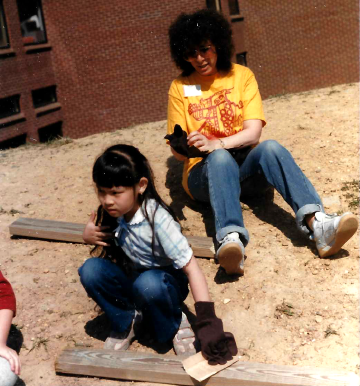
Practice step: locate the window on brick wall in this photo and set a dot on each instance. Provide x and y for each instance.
(50, 132)
(44, 96)
(13, 142)
(213, 4)
(9, 106)
(4, 37)
(31, 21)
(241, 58)
(234, 7)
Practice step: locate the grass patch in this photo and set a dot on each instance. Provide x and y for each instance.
(351, 193)
(282, 95)
(11, 211)
(351, 185)
(38, 343)
(57, 142)
(330, 331)
(284, 308)
(333, 92)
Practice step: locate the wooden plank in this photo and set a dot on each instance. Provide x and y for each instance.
(155, 368)
(72, 232)
(47, 229)
(202, 246)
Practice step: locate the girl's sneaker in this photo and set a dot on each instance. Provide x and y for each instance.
(231, 254)
(331, 232)
(120, 341)
(184, 339)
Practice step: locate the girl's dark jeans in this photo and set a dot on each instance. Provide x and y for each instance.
(157, 293)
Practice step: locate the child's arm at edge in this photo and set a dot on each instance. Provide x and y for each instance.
(7, 312)
(6, 352)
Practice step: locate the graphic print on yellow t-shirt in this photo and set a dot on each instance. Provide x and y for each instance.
(220, 115)
(226, 101)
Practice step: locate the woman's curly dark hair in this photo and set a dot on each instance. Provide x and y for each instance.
(189, 31)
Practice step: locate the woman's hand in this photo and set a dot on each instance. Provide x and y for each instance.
(203, 143)
(250, 135)
(12, 357)
(94, 234)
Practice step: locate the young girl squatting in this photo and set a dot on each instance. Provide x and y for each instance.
(142, 274)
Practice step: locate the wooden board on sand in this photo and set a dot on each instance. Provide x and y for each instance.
(72, 232)
(155, 368)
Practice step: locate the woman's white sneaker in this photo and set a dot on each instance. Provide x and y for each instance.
(231, 254)
(331, 232)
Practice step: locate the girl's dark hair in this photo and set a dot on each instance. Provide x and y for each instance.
(124, 165)
(189, 31)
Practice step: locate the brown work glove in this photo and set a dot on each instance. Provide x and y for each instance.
(178, 141)
(217, 346)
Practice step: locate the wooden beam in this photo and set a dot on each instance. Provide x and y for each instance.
(72, 232)
(155, 368)
(202, 246)
(47, 229)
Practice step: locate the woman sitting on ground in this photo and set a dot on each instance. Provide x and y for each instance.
(218, 105)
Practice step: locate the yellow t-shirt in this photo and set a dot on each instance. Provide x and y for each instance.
(214, 105)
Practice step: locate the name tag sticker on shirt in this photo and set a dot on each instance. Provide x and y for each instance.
(192, 90)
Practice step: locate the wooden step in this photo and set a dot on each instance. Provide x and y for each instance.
(72, 232)
(155, 368)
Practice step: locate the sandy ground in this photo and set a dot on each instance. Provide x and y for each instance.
(290, 307)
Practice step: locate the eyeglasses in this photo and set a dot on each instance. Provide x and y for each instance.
(205, 52)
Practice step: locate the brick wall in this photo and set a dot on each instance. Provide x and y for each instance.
(300, 45)
(112, 67)
(20, 72)
(112, 61)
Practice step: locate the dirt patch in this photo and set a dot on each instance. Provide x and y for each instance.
(290, 308)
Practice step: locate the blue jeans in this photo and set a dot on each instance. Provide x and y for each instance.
(216, 179)
(157, 293)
